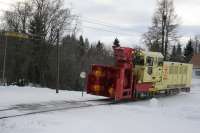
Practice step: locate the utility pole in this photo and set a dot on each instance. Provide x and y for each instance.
(4, 60)
(58, 61)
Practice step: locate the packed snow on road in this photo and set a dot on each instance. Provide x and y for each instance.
(173, 114)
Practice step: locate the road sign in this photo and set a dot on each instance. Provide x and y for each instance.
(83, 75)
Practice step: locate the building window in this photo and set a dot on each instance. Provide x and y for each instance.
(139, 60)
(197, 72)
(150, 70)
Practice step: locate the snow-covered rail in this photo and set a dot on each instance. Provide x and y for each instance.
(30, 109)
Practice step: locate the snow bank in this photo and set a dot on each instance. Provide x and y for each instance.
(12, 95)
(174, 114)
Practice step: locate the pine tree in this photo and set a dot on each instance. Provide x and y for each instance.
(116, 43)
(81, 40)
(37, 28)
(179, 53)
(173, 55)
(87, 43)
(100, 50)
(39, 62)
(82, 46)
(179, 50)
(189, 51)
(99, 46)
(199, 49)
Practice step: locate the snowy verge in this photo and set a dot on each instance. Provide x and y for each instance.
(12, 95)
(174, 114)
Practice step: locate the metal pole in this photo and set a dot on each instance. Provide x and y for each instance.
(83, 76)
(58, 63)
(83, 87)
(4, 61)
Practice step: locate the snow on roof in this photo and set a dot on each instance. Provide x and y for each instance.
(153, 54)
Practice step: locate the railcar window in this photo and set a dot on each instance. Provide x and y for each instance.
(155, 60)
(139, 60)
(149, 61)
(160, 61)
(197, 73)
(150, 70)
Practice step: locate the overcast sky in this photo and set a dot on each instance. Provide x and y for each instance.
(127, 19)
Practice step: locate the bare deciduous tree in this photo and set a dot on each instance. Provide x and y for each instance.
(163, 31)
(52, 13)
(24, 11)
(18, 18)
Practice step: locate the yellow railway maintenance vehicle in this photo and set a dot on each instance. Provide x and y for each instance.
(166, 77)
(139, 74)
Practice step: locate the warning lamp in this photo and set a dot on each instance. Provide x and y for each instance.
(97, 88)
(98, 73)
(110, 90)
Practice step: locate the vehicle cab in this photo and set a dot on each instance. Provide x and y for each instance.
(148, 66)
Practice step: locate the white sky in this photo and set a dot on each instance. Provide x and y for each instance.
(127, 19)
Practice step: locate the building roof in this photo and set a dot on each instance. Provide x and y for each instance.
(196, 61)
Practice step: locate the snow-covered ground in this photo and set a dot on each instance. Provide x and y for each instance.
(13, 95)
(174, 114)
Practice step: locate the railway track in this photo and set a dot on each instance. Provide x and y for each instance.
(52, 106)
(31, 109)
